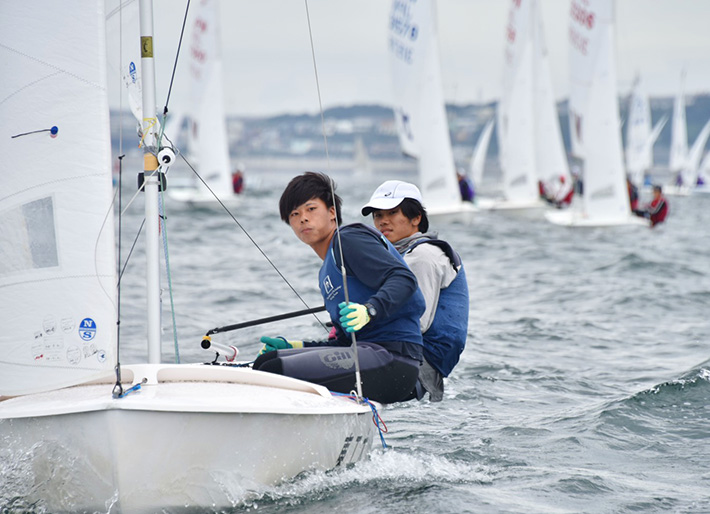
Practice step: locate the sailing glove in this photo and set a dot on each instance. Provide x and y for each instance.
(353, 316)
(278, 343)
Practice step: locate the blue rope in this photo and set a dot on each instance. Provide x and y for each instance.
(375, 415)
(128, 391)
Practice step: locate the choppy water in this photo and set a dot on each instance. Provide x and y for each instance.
(584, 386)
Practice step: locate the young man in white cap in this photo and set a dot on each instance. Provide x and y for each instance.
(398, 213)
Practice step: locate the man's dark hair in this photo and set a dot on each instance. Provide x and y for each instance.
(411, 208)
(306, 187)
(658, 189)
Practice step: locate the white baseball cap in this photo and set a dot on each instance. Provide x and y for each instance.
(390, 194)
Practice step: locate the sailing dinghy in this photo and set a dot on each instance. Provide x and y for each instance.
(83, 432)
(206, 139)
(529, 137)
(594, 121)
(419, 109)
(640, 136)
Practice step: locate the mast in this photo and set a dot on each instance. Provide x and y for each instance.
(151, 184)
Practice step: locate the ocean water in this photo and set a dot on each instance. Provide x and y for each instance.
(584, 385)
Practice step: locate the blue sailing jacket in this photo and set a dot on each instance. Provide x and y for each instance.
(446, 337)
(376, 274)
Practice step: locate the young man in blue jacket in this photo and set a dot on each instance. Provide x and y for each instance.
(384, 305)
(398, 213)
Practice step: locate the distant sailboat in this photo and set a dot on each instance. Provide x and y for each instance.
(529, 136)
(478, 158)
(678, 156)
(703, 180)
(692, 165)
(207, 143)
(594, 120)
(640, 137)
(419, 108)
(684, 163)
(361, 159)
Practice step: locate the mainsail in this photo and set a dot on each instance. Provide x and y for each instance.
(57, 258)
(419, 100)
(594, 113)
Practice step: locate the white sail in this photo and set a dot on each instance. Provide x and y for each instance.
(478, 158)
(594, 107)
(58, 309)
(124, 55)
(550, 154)
(679, 132)
(516, 113)
(419, 102)
(692, 165)
(639, 156)
(208, 132)
(206, 142)
(529, 136)
(362, 164)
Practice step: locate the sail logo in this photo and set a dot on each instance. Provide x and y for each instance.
(87, 329)
(582, 16)
(132, 71)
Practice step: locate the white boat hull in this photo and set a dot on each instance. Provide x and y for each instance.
(202, 200)
(461, 213)
(193, 436)
(492, 204)
(677, 190)
(574, 218)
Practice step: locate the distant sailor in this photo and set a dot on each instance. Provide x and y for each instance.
(560, 194)
(633, 194)
(398, 213)
(384, 302)
(466, 188)
(657, 210)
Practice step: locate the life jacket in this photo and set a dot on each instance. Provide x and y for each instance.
(658, 210)
(402, 326)
(446, 337)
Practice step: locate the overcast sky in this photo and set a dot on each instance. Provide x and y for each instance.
(269, 69)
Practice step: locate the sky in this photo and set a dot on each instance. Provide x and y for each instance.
(269, 68)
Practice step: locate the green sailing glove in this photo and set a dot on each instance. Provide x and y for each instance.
(353, 316)
(278, 343)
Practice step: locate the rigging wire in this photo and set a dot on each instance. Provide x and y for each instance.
(118, 388)
(246, 233)
(358, 380)
(177, 55)
(164, 225)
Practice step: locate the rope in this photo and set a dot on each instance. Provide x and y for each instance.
(358, 379)
(376, 418)
(164, 226)
(251, 239)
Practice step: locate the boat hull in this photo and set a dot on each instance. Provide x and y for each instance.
(574, 218)
(176, 444)
(462, 213)
(200, 199)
